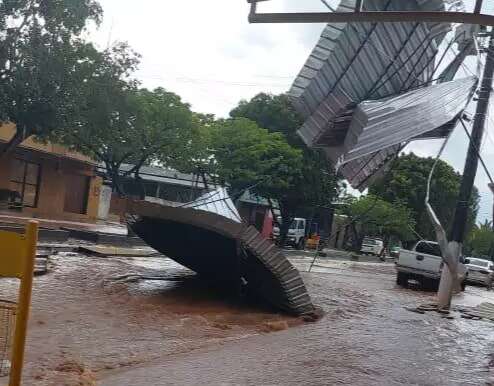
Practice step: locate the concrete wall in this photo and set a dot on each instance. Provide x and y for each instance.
(56, 163)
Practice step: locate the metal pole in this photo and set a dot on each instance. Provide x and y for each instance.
(373, 17)
(461, 215)
(491, 187)
(453, 250)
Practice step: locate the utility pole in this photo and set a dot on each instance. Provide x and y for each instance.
(491, 186)
(458, 230)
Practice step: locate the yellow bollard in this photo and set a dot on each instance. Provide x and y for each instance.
(17, 259)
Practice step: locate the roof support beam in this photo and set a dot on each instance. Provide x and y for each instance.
(374, 16)
(478, 6)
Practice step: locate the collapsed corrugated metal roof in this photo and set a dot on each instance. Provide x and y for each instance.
(365, 62)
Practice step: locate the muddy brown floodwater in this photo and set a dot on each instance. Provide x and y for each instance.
(92, 324)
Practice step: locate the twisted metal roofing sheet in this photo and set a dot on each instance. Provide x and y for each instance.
(379, 124)
(367, 61)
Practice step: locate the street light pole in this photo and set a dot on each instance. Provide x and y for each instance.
(471, 165)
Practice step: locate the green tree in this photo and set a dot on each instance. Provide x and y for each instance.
(194, 152)
(406, 183)
(316, 184)
(480, 241)
(372, 216)
(272, 112)
(120, 123)
(43, 63)
(248, 156)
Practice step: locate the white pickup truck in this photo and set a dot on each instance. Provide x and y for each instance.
(424, 264)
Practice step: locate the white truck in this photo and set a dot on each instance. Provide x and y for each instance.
(372, 246)
(424, 263)
(296, 233)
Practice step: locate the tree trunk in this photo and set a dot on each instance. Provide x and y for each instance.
(356, 239)
(113, 172)
(204, 179)
(385, 247)
(286, 220)
(142, 190)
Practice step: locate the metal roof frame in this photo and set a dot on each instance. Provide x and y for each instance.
(359, 16)
(354, 63)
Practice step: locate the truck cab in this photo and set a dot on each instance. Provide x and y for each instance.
(424, 263)
(296, 233)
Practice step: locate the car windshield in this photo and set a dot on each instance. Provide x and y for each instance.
(479, 262)
(369, 241)
(293, 225)
(428, 248)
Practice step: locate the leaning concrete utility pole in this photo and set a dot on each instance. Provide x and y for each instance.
(491, 187)
(449, 274)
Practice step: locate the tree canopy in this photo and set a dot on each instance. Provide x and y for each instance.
(372, 216)
(272, 112)
(247, 155)
(316, 184)
(118, 122)
(43, 63)
(480, 241)
(406, 184)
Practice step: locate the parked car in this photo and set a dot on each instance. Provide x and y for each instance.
(394, 252)
(480, 271)
(372, 246)
(296, 233)
(424, 263)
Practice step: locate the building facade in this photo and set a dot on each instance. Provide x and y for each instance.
(47, 181)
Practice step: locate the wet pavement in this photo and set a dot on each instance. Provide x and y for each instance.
(95, 321)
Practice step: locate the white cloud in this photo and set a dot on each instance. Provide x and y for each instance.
(207, 52)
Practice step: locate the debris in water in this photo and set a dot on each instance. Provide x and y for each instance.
(274, 326)
(414, 309)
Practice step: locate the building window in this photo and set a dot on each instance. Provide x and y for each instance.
(25, 181)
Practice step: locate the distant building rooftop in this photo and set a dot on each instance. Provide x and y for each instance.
(163, 175)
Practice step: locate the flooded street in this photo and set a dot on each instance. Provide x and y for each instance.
(94, 322)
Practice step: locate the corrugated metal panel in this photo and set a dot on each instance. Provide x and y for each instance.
(379, 124)
(353, 63)
(218, 202)
(355, 58)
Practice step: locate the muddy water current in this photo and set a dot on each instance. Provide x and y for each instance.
(147, 321)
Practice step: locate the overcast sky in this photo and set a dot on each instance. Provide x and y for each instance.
(206, 52)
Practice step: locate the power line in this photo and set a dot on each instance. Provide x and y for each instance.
(219, 81)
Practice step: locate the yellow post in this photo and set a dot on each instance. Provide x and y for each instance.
(24, 303)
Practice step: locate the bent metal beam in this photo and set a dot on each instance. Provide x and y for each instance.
(475, 17)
